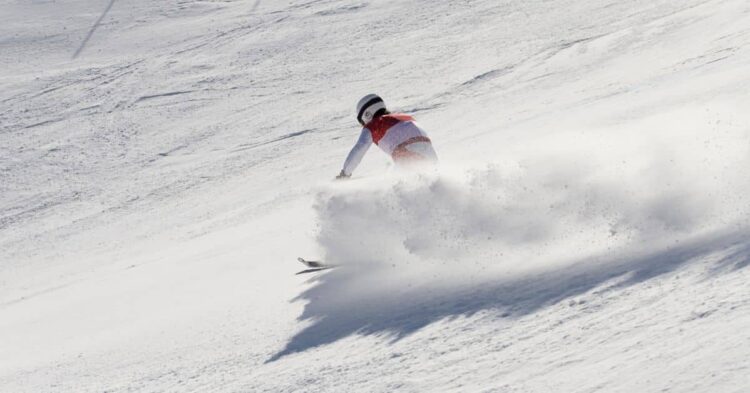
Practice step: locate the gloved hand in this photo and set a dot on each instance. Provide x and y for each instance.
(343, 175)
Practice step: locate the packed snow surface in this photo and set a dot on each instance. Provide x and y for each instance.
(164, 163)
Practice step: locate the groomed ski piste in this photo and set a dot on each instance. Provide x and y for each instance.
(163, 164)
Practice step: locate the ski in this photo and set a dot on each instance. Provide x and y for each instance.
(314, 266)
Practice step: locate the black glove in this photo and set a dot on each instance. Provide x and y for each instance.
(343, 175)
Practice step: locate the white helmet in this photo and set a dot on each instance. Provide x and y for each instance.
(368, 106)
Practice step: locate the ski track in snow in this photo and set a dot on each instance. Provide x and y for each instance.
(587, 230)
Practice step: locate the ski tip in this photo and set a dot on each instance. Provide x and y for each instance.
(313, 270)
(313, 264)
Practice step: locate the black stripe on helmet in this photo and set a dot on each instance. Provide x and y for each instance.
(365, 106)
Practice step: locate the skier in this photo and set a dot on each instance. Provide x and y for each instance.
(395, 133)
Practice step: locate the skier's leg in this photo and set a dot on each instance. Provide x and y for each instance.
(424, 150)
(418, 154)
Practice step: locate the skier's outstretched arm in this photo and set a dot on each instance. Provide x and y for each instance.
(356, 154)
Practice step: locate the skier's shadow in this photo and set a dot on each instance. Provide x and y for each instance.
(334, 315)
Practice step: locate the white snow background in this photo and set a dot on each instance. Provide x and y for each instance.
(163, 163)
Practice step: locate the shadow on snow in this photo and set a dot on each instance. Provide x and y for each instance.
(333, 315)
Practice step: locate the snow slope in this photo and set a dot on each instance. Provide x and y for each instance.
(162, 165)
